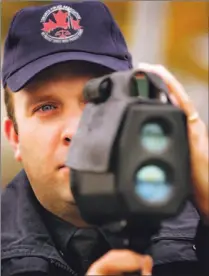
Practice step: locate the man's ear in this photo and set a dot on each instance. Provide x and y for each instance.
(12, 137)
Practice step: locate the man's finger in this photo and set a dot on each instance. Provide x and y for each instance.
(117, 262)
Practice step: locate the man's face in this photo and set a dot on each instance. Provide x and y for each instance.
(47, 116)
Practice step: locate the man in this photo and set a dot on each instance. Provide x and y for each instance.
(50, 53)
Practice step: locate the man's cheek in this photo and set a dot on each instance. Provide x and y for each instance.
(29, 149)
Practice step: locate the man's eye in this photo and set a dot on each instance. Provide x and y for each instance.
(46, 107)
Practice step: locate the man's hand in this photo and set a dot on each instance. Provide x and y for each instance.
(117, 262)
(198, 136)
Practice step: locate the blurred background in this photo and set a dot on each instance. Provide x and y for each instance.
(172, 33)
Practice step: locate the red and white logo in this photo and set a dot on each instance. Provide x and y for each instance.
(61, 24)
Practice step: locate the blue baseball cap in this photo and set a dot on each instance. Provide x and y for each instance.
(42, 36)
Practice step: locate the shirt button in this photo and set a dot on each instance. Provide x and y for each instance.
(194, 247)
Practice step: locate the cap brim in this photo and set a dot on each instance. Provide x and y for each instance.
(23, 75)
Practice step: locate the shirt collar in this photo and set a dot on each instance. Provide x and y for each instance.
(77, 244)
(60, 230)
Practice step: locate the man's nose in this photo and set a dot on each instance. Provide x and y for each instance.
(70, 130)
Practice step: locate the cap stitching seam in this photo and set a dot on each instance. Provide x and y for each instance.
(111, 19)
(12, 33)
(114, 40)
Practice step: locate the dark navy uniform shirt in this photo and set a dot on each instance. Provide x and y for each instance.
(35, 242)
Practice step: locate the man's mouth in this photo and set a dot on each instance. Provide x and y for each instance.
(63, 167)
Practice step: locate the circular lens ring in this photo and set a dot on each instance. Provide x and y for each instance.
(155, 135)
(153, 185)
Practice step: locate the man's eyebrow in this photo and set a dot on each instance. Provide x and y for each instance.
(34, 99)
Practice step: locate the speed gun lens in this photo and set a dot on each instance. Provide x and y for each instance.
(152, 185)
